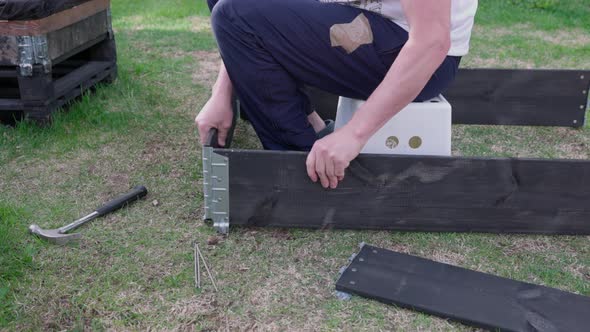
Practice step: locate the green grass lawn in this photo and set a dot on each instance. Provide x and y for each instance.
(133, 269)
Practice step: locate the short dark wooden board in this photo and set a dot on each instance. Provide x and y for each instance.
(463, 295)
(412, 193)
(505, 97)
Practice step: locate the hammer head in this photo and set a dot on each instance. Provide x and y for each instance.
(53, 235)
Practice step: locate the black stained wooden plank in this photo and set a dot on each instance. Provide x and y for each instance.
(10, 104)
(519, 97)
(9, 92)
(413, 193)
(79, 49)
(87, 72)
(505, 97)
(466, 296)
(80, 35)
(8, 72)
(69, 95)
(70, 40)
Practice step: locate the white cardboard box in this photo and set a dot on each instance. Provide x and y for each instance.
(419, 129)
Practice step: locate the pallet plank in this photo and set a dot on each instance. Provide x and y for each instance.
(81, 75)
(79, 36)
(10, 104)
(54, 22)
(463, 295)
(8, 72)
(413, 193)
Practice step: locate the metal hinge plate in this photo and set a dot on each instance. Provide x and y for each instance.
(216, 189)
(33, 50)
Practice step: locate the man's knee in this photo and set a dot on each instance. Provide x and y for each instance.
(222, 11)
(211, 4)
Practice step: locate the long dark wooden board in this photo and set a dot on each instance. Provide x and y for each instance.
(520, 97)
(463, 295)
(412, 193)
(505, 97)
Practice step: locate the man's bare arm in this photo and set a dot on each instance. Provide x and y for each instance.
(217, 112)
(223, 86)
(425, 50)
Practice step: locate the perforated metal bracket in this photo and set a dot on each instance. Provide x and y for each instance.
(33, 50)
(216, 189)
(586, 94)
(344, 296)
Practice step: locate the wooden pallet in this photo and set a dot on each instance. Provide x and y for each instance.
(77, 50)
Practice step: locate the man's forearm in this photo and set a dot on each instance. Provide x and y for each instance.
(406, 78)
(223, 87)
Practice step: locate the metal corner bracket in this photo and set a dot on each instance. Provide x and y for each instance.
(216, 189)
(33, 50)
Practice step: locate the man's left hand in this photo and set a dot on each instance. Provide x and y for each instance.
(330, 156)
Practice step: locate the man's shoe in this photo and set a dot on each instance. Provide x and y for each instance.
(328, 130)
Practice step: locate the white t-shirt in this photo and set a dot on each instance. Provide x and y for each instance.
(462, 16)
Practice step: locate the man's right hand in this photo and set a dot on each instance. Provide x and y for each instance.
(217, 113)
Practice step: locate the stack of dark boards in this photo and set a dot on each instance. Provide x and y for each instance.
(51, 52)
(462, 295)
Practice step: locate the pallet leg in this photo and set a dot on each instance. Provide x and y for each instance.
(35, 93)
(41, 115)
(106, 51)
(37, 87)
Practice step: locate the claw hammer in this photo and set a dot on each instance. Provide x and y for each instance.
(60, 236)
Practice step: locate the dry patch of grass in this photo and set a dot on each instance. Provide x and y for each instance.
(523, 142)
(526, 47)
(200, 24)
(208, 63)
(560, 37)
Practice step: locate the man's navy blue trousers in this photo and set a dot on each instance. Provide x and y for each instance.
(273, 48)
